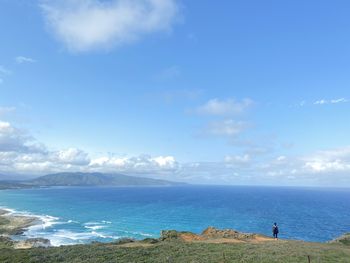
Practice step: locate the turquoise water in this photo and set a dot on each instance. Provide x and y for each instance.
(82, 215)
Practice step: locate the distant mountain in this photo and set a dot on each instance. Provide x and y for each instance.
(96, 179)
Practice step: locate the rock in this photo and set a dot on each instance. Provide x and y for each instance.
(32, 242)
(169, 235)
(15, 224)
(343, 239)
(212, 233)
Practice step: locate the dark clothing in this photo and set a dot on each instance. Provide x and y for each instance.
(275, 231)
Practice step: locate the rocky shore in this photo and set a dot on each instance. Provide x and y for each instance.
(14, 225)
(214, 235)
(343, 239)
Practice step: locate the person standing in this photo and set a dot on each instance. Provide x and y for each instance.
(275, 231)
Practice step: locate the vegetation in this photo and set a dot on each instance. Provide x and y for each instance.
(85, 179)
(344, 239)
(182, 252)
(12, 185)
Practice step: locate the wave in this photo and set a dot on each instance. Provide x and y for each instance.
(94, 227)
(44, 221)
(62, 232)
(97, 225)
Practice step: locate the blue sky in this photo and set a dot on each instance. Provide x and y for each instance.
(241, 92)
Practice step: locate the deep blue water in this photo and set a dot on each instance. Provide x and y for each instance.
(81, 215)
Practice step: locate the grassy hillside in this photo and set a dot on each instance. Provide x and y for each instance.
(182, 252)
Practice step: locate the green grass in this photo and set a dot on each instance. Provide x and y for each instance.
(176, 251)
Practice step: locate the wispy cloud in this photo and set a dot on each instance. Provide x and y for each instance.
(225, 117)
(5, 71)
(5, 110)
(22, 59)
(227, 128)
(224, 107)
(302, 103)
(84, 25)
(332, 101)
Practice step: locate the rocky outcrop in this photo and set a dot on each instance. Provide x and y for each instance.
(15, 224)
(344, 239)
(32, 242)
(168, 235)
(211, 234)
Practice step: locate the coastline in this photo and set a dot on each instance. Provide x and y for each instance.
(66, 229)
(14, 224)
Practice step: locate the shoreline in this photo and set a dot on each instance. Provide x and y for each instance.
(14, 224)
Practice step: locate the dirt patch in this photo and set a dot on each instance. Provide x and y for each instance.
(190, 237)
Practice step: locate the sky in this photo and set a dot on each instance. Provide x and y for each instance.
(234, 93)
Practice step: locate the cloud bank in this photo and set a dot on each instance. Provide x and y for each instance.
(20, 153)
(84, 25)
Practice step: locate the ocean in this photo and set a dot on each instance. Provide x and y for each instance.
(74, 215)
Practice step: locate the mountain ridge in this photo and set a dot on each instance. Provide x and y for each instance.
(96, 179)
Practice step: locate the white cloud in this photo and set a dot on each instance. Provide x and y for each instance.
(341, 100)
(337, 160)
(140, 164)
(22, 59)
(238, 160)
(21, 153)
(320, 102)
(332, 101)
(229, 128)
(73, 156)
(224, 107)
(281, 158)
(84, 25)
(13, 139)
